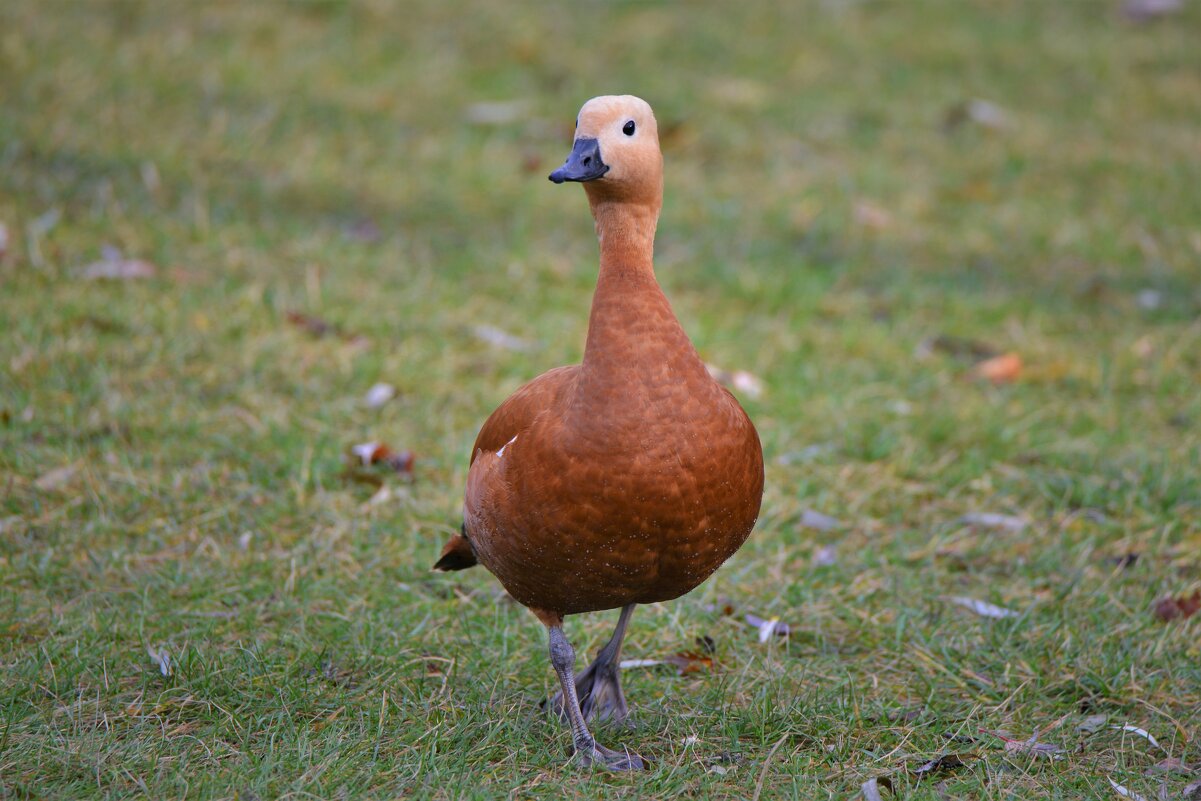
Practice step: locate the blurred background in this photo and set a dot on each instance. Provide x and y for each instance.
(265, 268)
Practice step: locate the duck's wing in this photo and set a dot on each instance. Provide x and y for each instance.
(521, 408)
(512, 417)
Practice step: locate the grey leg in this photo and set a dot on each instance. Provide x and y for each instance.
(598, 686)
(562, 657)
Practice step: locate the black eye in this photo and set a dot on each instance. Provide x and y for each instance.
(628, 130)
(577, 122)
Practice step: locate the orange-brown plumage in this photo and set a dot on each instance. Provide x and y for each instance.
(631, 477)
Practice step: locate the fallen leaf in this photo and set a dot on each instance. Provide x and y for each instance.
(1031, 746)
(690, 662)
(55, 478)
(818, 521)
(378, 395)
(3, 240)
(1147, 10)
(363, 229)
(1092, 723)
(869, 215)
(804, 455)
(1149, 299)
(825, 556)
(1122, 791)
(311, 325)
(994, 520)
(1169, 765)
(495, 112)
(116, 267)
(768, 627)
(741, 380)
(161, 658)
(1140, 732)
(1002, 369)
(1192, 792)
(983, 608)
(956, 347)
(941, 764)
(1181, 607)
(871, 788)
(984, 113)
(502, 339)
(373, 453)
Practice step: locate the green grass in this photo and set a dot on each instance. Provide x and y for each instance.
(207, 509)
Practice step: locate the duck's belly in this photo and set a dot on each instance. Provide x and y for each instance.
(599, 533)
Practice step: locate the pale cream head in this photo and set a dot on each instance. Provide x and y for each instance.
(616, 151)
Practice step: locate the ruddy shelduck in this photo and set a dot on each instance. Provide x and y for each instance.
(626, 479)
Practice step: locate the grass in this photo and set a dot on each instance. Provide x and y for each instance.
(172, 469)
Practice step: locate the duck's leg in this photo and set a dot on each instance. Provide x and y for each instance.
(598, 686)
(587, 749)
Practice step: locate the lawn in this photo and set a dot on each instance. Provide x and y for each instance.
(202, 595)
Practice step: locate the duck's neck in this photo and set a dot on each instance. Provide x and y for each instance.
(634, 339)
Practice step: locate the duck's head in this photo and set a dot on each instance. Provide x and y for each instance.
(616, 151)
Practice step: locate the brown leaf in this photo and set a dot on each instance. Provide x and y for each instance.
(318, 328)
(377, 453)
(942, 764)
(690, 662)
(1001, 369)
(56, 478)
(1147, 10)
(1184, 606)
(1169, 765)
(118, 268)
(869, 215)
(956, 347)
(1031, 746)
(768, 627)
(740, 380)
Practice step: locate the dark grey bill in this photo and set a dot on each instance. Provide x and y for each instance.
(584, 163)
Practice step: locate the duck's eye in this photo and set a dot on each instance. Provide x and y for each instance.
(628, 129)
(577, 122)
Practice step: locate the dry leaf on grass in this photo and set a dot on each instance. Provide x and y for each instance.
(942, 764)
(871, 216)
(685, 662)
(502, 339)
(1184, 606)
(983, 608)
(818, 521)
(984, 113)
(1002, 369)
(56, 478)
(1141, 733)
(1192, 792)
(378, 395)
(377, 453)
(1122, 791)
(3, 240)
(1170, 765)
(116, 267)
(1147, 10)
(160, 657)
(495, 112)
(768, 627)
(1031, 746)
(825, 556)
(994, 520)
(739, 380)
(871, 788)
(318, 328)
(1092, 723)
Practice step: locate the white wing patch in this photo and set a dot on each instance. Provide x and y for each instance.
(501, 452)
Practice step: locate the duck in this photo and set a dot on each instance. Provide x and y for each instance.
(628, 478)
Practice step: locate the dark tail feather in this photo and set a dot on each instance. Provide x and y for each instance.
(458, 554)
